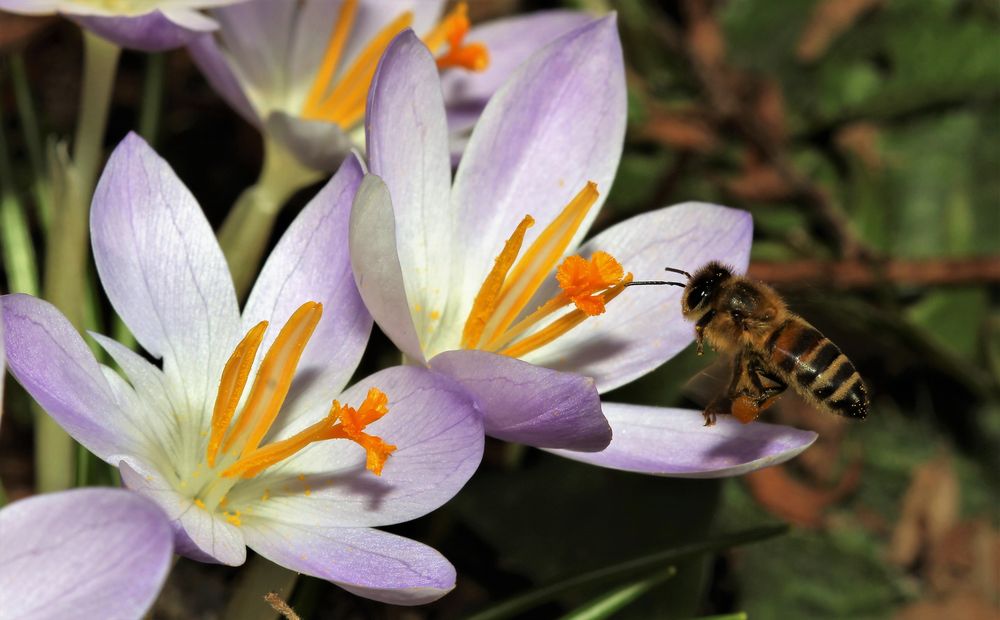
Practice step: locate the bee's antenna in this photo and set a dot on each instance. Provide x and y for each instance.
(680, 271)
(649, 282)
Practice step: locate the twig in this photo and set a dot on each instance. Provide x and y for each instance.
(860, 274)
(279, 605)
(717, 79)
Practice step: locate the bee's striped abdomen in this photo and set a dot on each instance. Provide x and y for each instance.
(818, 368)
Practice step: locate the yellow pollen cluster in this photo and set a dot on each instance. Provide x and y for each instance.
(343, 102)
(511, 284)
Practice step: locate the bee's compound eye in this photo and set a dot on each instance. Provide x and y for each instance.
(697, 295)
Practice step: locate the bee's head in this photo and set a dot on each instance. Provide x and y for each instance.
(702, 287)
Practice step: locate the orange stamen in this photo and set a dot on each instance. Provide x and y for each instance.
(341, 422)
(331, 58)
(473, 56)
(345, 106)
(489, 293)
(537, 263)
(452, 29)
(581, 280)
(234, 379)
(561, 325)
(274, 377)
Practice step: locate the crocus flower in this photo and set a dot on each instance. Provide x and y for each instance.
(145, 25)
(485, 280)
(85, 553)
(285, 469)
(300, 71)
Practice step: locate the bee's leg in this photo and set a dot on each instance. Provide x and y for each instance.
(768, 385)
(724, 403)
(699, 331)
(721, 405)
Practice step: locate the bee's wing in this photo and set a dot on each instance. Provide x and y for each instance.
(710, 381)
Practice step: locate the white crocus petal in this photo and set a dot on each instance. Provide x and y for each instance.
(163, 270)
(407, 137)
(199, 534)
(190, 19)
(556, 124)
(377, 270)
(159, 431)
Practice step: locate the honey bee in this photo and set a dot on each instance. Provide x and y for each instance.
(771, 347)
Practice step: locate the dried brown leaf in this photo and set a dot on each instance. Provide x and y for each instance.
(769, 108)
(964, 606)
(829, 20)
(681, 131)
(759, 182)
(929, 510)
(861, 140)
(778, 492)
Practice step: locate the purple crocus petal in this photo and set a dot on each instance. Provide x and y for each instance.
(155, 31)
(209, 58)
(197, 534)
(163, 270)
(510, 42)
(48, 357)
(528, 404)
(312, 263)
(558, 123)
(377, 271)
(317, 145)
(85, 553)
(643, 327)
(30, 7)
(366, 562)
(407, 137)
(675, 443)
(439, 440)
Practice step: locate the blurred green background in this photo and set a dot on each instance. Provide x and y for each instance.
(864, 137)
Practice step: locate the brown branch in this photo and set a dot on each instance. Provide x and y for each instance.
(860, 274)
(703, 45)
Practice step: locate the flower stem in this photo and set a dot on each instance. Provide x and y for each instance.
(32, 138)
(65, 280)
(18, 252)
(152, 97)
(247, 229)
(259, 577)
